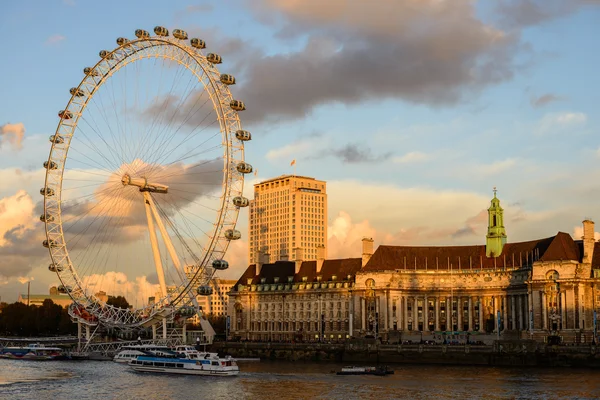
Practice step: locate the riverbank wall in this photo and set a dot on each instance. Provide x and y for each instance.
(501, 353)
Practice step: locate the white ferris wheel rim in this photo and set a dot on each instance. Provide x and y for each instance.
(232, 185)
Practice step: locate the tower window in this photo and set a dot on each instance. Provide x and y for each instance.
(495, 223)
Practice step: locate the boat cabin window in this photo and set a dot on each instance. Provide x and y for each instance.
(215, 363)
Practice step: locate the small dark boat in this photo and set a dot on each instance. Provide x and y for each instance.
(354, 370)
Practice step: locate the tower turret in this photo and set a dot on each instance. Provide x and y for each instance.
(496, 234)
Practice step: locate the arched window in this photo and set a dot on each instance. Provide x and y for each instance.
(370, 284)
(494, 223)
(552, 275)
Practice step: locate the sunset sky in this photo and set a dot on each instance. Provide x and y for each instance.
(411, 110)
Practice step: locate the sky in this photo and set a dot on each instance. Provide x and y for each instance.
(412, 111)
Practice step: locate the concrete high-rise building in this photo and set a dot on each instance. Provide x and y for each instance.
(288, 219)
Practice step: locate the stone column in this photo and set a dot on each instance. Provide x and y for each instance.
(363, 314)
(399, 313)
(544, 312)
(470, 314)
(571, 315)
(350, 315)
(425, 314)
(520, 308)
(405, 316)
(580, 295)
(481, 327)
(390, 312)
(563, 309)
(504, 313)
(448, 314)
(459, 312)
(415, 315)
(529, 310)
(513, 324)
(496, 300)
(437, 313)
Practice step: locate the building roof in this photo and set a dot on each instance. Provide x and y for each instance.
(341, 268)
(558, 247)
(280, 177)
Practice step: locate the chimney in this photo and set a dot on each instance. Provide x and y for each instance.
(263, 258)
(298, 259)
(320, 257)
(588, 241)
(367, 250)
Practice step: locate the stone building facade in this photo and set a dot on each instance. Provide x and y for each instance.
(534, 289)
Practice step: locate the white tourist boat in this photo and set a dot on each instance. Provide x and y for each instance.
(129, 353)
(191, 353)
(33, 352)
(209, 366)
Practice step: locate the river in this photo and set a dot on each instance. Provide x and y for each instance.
(76, 380)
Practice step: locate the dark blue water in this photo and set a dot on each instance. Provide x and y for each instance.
(71, 380)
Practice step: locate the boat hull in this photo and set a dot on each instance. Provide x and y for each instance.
(183, 371)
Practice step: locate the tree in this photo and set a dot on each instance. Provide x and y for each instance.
(119, 302)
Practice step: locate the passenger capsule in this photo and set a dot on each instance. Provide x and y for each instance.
(56, 139)
(227, 79)
(243, 135)
(142, 34)
(50, 165)
(46, 191)
(214, 58)
(56, 268)
(205, 290)
(244, 168)
(65, 114)
(63, 289)
(76, 92)
(46, 218)
(90, 71)
(49, 243)
(180, 34)
(187, 311)
(220, 265)
(198, 43)
(241, 201)
(237, 105)
(161, 31)
(121, 41)
(106, 54)
(232, 234)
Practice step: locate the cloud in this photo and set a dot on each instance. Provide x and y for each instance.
(578, 233)
(519, 14)
(13, 134)
(544, 100)
(199, 8)
(297, 148)
(55, 39)
(559, 122)
(353, 154)
(412, 157)
(496, 167)
(116, 283)
(427, 52)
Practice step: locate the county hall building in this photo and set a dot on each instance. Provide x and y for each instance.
(533, 289)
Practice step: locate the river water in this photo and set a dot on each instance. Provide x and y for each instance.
(75, 380)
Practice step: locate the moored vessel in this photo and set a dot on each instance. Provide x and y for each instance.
(36, 352)
(209, 366)
(354, 370)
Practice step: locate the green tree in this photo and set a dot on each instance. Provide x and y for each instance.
(118, 301)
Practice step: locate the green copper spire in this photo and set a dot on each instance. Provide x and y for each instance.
(496, 235)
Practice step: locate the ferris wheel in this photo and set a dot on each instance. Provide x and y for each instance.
(144, 179)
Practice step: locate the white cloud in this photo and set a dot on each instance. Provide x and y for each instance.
(578, 233)
(16, 215)
(559, 122)
(115, 283)
(412, 157)
(496, 167)
(55, 39)
(13, 134)
(297, 149)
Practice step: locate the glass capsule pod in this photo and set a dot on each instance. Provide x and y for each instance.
(50, 165)
(161, 31)
(198, 43)
(214, 58)
(90, 71)
(46, 191)
(180, 34)
(121, 41)
(142, 34)
(57, 139)
(233, 234)
(244, 168)
(187, 311)
(106, 54)
(46, 218)
(220, 265)
(205, 290)
(241, 201)
(227, 79)
(65, 114)
(237, 105)
(243, 135)
(64, 289)
(76, 92)
(55, 268)
(49, 243)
